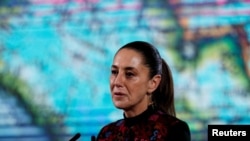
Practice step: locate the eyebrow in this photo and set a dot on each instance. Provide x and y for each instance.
(126, 68)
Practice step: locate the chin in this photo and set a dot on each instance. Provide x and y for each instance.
(120, 105)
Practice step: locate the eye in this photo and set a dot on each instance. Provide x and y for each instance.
(114, 72)
(129, 74)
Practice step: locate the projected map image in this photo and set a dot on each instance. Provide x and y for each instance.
(55, 58)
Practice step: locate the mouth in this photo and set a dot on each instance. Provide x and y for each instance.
(118, 94)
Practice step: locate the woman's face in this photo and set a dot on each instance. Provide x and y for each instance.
(129, 81)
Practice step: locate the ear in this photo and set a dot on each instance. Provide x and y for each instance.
(154, 83)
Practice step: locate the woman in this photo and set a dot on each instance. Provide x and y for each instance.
(141, 85)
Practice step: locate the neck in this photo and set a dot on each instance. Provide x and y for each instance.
(138, 108)
(132, 112)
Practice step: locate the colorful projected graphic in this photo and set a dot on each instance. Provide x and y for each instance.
(55, 58)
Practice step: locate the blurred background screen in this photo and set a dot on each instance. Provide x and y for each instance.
(55, 58)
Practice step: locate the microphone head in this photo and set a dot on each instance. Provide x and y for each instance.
(93, 138)
(75, 137)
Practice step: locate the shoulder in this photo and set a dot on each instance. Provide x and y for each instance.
(113, 126)
(178, 130)
(166, 119)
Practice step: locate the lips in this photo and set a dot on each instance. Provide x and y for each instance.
(118, 94)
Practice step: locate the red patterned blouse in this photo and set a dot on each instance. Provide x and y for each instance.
(151, 125)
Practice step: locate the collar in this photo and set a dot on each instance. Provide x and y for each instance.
(139, 118)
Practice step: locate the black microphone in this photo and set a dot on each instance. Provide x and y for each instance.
(93, 138)
(75, 137)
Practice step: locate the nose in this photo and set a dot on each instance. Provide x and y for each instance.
(117, 80)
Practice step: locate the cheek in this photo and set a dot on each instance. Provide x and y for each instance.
(111, 80)
(135, 88)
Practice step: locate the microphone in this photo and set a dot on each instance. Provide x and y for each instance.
(75, 137)
(93, 138)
